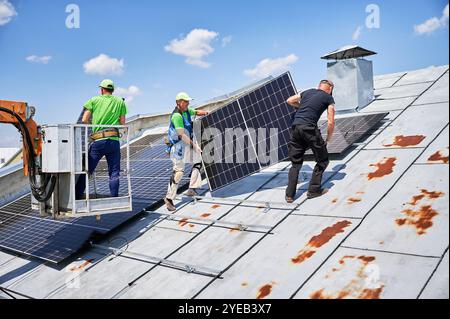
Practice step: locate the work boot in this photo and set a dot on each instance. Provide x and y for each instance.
(311, 195)
(169, 205)
(191, 192)
(289, 200)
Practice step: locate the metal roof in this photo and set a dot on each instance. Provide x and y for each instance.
(382, 230)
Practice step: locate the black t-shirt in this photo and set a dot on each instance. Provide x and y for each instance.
(313, 103)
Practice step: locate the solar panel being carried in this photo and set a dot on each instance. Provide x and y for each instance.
(244, 153)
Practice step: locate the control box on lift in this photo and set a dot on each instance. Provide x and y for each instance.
(58, 149)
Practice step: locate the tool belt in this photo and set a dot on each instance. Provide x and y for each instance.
(109, 132)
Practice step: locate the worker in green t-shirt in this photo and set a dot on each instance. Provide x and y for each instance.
(107, 110)
(183, 149)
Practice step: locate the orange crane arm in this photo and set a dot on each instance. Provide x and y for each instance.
(10, 111)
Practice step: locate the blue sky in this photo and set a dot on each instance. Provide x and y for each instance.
(154, 49)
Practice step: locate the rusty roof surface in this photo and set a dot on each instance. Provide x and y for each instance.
(382, 230)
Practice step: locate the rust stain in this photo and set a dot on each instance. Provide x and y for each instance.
(357, 287)
(319, 294)
(244, 284)
(421, 218)
(416, 199)
(438, 157)
(334, 201)
(191, 225)
(302, 256)
(205, 215)
(406, 141)
(215, 206)
(183, 222)
(384, 168)
(366, 259)
(353, 200)
(264, 291)
(365, 294)
(371, 293)
(425, 193)
(234, 229)
(328, 233)
(318, 241)
(82, 266)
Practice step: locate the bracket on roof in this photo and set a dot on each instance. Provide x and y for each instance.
(189, 268)
(232, 225)
(270, 205)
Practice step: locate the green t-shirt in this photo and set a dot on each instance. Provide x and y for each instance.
(106, 110)
(177, 120)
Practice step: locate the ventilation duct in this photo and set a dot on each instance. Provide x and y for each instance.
(352, 76)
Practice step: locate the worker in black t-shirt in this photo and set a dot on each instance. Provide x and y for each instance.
(305, 134)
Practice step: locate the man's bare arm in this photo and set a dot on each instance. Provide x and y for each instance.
(294, 101)
(187, 140)
(86, 117)
(201, 112)
(331, 113)
(122, 120)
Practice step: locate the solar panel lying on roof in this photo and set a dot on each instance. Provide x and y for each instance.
(22, 230)
(349, 130)
(263, 108)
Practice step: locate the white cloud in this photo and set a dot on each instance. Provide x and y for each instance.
(39, 59)
(271, 66)
(357, 34)
(195, 46)
(433, 24)
(128, 93)
(226, 41)
(7, 12)
(104, 65)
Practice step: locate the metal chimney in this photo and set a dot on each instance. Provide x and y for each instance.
(352, 76)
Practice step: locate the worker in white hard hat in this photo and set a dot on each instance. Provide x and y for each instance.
(183, 149)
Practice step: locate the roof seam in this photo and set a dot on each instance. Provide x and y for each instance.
(389, 252)
(432, 274)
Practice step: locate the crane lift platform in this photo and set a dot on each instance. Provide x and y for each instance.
(54, 158)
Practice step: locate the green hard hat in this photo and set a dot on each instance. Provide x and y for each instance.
(107, 84)
(183, 96)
